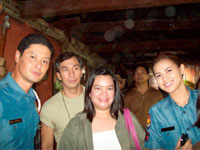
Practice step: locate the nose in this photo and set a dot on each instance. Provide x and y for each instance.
(104, 91)
(38, 64)
(165, 77)
(71, 72)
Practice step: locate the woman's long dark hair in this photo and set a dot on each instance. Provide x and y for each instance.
(117, 104)
(198, 113)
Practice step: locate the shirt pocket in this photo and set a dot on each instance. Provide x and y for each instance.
(170, 135)
(10, 131)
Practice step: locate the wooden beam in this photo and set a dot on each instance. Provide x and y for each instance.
(143, 25)
(38, 8)
(145, 46)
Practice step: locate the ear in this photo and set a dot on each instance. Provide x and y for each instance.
(58, 76)
(182, 68)
(81, 72)
(17, 56)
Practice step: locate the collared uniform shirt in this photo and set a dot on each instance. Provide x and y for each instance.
(18, 116)
(169, 121)
(140, 104)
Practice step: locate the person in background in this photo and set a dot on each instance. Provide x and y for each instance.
(101, 125)
(19, 118)
(59, 109)
(140, 98)
(121, 82)
(174, 116)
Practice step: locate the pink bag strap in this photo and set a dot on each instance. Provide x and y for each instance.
(131, 128)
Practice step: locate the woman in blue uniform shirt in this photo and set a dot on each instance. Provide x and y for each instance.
(176, 114)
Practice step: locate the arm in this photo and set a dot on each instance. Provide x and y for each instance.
(47, 137)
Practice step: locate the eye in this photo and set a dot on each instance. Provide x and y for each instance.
(97, 88)
(169, 70)
(76, 68)
(111, 88)
(32, 57)
(46, 62)
(65, 69)
(158, 76)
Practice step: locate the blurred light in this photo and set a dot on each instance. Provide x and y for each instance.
(129, 23)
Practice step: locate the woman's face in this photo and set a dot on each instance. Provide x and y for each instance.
(102, 92)
(168, 75)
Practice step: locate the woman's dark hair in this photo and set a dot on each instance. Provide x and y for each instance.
(168, 56)
(197, 84)
(117, 104)
(198, 113)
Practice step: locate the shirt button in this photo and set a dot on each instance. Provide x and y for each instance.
(167, 133)
(184, 112)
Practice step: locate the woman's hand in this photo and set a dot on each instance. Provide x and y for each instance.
(186, 146)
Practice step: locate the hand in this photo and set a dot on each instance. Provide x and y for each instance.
(186, 146)
(2, 71)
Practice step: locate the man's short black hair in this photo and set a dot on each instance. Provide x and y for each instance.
(65, 56)
(34, 39)
(143, 66)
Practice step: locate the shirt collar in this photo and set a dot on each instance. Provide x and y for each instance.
(12, 83)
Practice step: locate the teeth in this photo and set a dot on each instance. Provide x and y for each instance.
(168, 84)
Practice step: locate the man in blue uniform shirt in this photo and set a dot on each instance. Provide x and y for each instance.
(18, 116)
(167, 121)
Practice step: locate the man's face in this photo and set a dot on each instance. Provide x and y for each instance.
(34, 63)
(70, 73)
(140, 75)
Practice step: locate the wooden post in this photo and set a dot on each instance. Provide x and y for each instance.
(4, 27)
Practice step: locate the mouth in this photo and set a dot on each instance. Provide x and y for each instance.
(72, 81)
(36, 73)
(168, 84)
(103, 100)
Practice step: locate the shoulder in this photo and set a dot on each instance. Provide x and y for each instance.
(153, 90)
(160, 105)
(131, 92)
(76, 122)
(53, 100)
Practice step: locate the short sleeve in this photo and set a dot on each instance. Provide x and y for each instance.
(46, 115)
(153, 137)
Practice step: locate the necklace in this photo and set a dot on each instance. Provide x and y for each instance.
(65, 106)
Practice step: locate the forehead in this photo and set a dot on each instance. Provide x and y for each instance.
(70, 62)
(140, 69)
(163, 64)
(38, 49)
(103, 79)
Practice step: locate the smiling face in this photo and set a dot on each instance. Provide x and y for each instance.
(33, 64)
(102, 92)
(168, 75)
(70, 73)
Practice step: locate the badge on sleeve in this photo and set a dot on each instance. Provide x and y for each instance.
(148, 122)
(147, 136)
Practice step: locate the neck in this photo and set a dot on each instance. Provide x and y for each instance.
(102, 114)
(181, 95)
(73, 92)
(142, 88)
(21, 82)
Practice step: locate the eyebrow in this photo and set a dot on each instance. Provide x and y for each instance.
(69, 67)
(34, 53)
(164, 70)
